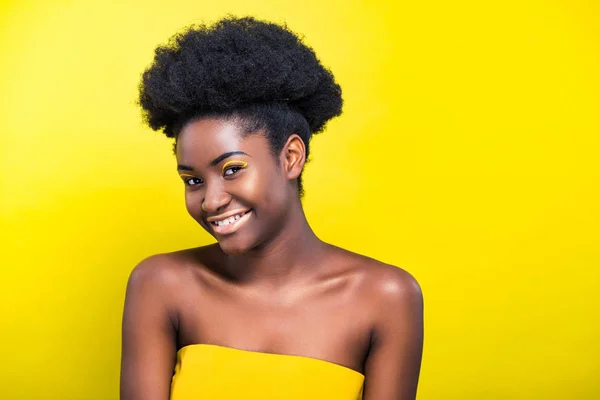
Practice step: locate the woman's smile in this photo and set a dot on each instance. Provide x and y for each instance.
(227, 224)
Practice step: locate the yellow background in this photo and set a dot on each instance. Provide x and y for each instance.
(467, 154)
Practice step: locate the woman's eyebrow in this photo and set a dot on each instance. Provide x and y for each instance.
(181, 167)
(226, 155)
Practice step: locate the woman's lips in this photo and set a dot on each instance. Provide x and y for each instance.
(231, 227)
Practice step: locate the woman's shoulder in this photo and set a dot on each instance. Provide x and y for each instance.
(168, 270)
(379, 281)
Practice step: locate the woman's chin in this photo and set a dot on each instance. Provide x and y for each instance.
(231, 248)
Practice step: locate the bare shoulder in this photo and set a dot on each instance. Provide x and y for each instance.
(384, 284)
(159, 269)
(393, 284)
(166, 272)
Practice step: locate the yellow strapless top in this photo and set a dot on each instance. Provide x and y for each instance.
(206, 371)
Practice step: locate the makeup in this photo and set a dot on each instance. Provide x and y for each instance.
(187, 177)
(240, 164)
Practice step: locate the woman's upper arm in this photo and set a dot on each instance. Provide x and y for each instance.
(148, 336)
(394, 360)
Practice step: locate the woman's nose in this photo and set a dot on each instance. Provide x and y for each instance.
(215, 199)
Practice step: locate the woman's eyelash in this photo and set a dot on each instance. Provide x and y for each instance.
(234, 168)
(188, 178)
(187, 181)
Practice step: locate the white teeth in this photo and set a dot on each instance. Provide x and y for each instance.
(229, 220)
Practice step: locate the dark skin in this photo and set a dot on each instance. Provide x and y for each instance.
(270, 286)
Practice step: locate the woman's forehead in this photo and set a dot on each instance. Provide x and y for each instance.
(208, 138)
(218, 132)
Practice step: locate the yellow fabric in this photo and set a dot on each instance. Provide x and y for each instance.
(221, 373)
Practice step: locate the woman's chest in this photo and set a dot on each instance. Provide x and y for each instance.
(333, 326)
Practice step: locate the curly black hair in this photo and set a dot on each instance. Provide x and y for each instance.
(255, 71)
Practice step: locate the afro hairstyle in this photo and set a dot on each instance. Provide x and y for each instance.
(257, 72)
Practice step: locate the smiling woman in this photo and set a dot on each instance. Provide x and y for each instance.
(269, 311)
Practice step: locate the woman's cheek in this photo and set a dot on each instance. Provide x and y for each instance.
(193, 204)
(246, 190)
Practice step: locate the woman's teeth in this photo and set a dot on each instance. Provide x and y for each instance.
(229, 220)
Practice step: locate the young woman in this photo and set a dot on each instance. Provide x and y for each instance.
(269, 311)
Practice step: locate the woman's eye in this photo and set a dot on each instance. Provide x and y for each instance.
(193, 181)
(231, 170)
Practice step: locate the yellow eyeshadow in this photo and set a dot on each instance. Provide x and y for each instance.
(187, 175)
(241, 164)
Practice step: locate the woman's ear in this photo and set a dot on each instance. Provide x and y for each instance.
(293, 157)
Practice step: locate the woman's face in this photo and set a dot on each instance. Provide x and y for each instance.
(234, 187)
